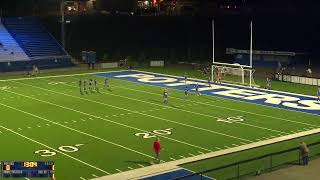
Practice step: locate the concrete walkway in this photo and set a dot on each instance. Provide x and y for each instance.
(310, 172)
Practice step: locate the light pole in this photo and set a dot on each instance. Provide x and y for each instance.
(63, 41)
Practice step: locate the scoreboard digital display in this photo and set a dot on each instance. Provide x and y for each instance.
(27, 169)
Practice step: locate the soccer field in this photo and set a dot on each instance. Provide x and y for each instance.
(101, 133)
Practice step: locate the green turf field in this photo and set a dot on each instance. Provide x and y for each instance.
(96, 134)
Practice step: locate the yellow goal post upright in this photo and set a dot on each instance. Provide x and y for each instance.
(233, 69)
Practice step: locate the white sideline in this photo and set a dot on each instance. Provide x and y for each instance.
(60, 152)
(173, 165)
(107, 120)
(136, 112)
(183, 110)
(78, 131)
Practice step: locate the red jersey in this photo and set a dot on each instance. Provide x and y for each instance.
(156, 146)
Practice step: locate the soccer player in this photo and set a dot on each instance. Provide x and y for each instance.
(319, 94)
(268, 83)
(197, 90)
(90, 85)
(185, 78)
(209, 81)
(80, 86)
(106, 83)
(157, 149)
(165, 96)
(186, 91)
(96, 85)
(85, 86)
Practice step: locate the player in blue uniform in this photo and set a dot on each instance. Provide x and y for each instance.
(80, 86)
(90, 85)
(186, 91)
(319, 94)
(197, 90)
(165, 96)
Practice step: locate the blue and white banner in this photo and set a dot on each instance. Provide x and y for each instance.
(289, 101)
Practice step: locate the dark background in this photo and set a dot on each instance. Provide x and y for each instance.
(282, 25)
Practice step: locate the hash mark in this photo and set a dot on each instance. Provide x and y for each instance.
(218, 148)
(20, 129)
(172, 158)
(235, 145)
(82, 178)
(29, 127)
(191, 154)
(182, 156)
(38, 126)
(74, 121)
(200, 152)
(94, 175)
(130, 167)
(66, 122)
(118, 170)
(140, 165)
(48, 124)
(226, 146)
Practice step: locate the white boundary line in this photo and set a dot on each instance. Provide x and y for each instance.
(240, 100)
(208, 104)
(67, 75)
(78, 131)
(164, 167)
(60, 152)
(136, 112)
(107, 120)
(192, 112)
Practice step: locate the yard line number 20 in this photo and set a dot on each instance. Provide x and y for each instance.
(155, 133)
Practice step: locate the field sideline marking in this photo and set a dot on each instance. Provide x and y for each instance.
(78, 131)
(208, 104)
(192, 112)
(60, 152)
(107, 120)
(66, 75)
(163, 119)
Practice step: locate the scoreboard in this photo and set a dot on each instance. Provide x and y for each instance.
(27, 169)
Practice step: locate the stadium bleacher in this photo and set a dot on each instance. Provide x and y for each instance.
(26, 43)
(10, 49)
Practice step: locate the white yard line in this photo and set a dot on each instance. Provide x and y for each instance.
(53, 149)
(183, 110)
(107, 120)
(219, 106)
(132, 111)
(78, 131)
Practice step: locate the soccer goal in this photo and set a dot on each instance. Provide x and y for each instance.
(232, 73)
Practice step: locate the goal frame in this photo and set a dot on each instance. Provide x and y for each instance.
(243, 68)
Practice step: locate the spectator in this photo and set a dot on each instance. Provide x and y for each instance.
(304, 153)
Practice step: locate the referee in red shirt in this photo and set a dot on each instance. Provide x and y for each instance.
(157, 149)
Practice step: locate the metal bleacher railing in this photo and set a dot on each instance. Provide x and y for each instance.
(254, 166)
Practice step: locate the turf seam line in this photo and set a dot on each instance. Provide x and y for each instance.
(53, 149)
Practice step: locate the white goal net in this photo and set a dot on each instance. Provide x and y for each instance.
(232, 73)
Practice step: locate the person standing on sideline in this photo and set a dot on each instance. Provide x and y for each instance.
(80, 86)
(157, 149)
(304, 153)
